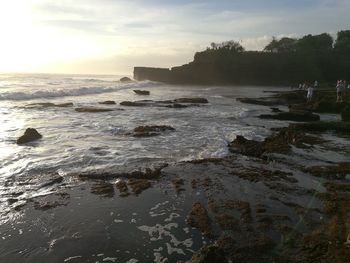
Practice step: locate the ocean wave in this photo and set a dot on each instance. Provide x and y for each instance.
(80, 91)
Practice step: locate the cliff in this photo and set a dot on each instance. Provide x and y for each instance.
(153, 74)
(306, 61)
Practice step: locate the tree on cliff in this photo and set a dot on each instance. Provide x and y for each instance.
(283, 61)
(342, 44)
(285, 44)
(308, 43)
(322, 42)
(227, 45)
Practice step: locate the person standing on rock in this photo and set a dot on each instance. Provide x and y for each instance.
(310, 93)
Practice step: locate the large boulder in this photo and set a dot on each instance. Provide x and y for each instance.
(345, 114)
(244, 146)
(125, 79)
(29, 135)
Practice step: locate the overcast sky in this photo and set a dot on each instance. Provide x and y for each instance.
(112, 36)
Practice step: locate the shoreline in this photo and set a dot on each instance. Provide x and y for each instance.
(255, 205)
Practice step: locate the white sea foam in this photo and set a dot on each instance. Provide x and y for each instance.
(78, 91)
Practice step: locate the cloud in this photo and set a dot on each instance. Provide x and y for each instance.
(166, 32)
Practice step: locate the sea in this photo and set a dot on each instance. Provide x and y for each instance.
(90, 228)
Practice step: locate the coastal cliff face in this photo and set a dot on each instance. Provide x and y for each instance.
(225, 67)
(153, 74)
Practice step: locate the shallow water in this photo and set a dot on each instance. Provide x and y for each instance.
(73, 140)
(150, 227)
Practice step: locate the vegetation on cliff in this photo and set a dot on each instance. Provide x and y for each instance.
(284, 61)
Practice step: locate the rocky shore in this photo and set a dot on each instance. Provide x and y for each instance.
(254, 205)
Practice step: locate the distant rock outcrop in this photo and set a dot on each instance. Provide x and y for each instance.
(29, 135)
(125, 79)
(142, 92)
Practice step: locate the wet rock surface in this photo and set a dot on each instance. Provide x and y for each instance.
(198, 217)
(338, 171)
(151, 130)
(138, 185)
(176, 104)
(102, 188)
(300, 116)
(92, 109)
(263, 102)
(29, 135)
(125, 79)
(142, 92)
(107, 102)
(277, 143)
(192, 100)
(208, 255)
(49, 104)
(150, 173)
(345, 114)
(252, 207)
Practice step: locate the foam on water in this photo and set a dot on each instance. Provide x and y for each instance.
(66, 91)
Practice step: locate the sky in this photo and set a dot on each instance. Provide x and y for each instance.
(113, 36)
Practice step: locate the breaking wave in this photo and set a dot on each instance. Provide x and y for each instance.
(79, 91)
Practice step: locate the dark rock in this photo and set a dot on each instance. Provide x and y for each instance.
(345, 114)
(49, 104)
(227, 222)
(199, 218)
(191, 100)
(178, 183)
(142, 92)
(53, 181)
(29, 135)
(263, 102)
(49, 202)
(92, 110)
(125, 79)
(134, 104)
(276, 143)
(102, 188)
(63, 105)
(11, 201)
(148, 131)
(327, 105)
(323, 126)
(338, 171)
(177, 106)
(108, 102)
(276, 110)
(122, 187)
(139, 185)
(209, 254)
(244, 146)
(148, 173)
(299, 116)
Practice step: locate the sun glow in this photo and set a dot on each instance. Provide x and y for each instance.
(27, 45)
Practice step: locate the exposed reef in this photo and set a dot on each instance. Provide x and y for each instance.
(29, 135)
